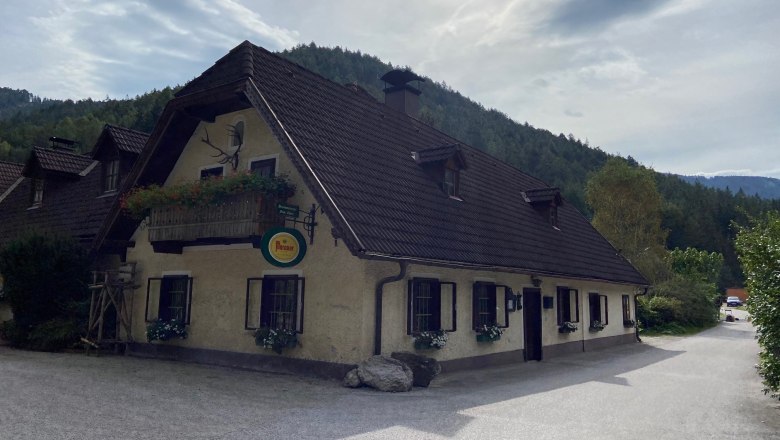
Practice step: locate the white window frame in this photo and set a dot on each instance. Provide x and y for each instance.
(215, 165)
(275, 157)
(230, 137)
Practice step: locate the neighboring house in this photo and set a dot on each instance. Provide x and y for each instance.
(413, 231)
(65, 193)
(10, 175)
(741, 293)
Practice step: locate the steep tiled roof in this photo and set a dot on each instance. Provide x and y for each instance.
(59, 161)
(355, 153)
(9, 173)
(128, 140)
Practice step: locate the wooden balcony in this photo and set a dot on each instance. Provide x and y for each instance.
(239, 218)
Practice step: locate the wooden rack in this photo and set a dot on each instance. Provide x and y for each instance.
(112, 292)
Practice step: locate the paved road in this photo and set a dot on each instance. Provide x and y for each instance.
(699, 387)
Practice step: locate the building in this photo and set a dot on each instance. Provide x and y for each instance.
(395, 228)
(57, 191)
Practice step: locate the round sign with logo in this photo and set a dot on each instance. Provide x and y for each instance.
(283, 247)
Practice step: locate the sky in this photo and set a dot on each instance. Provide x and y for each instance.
(687, 86)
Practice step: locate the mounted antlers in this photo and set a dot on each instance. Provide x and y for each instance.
(225, 157)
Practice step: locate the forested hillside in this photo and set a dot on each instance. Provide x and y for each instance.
(694, 215)
(27, 120)
(764, 187)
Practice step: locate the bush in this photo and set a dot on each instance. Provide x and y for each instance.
(758, 246)
(45, 281)
(698, 300)
(657, 310)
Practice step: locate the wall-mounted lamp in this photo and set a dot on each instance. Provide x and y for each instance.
(536, 281)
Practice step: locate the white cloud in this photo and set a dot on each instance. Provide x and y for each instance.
(684, 86)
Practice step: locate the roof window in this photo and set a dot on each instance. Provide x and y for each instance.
(443, 164)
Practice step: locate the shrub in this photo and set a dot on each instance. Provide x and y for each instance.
(139, 201)
(45, 281)
(657, 310)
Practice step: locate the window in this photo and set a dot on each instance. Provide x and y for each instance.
(485, 304)
(274, 301)
(111, 175)
(236, 132)
(212, 172)
(263, 167)
(428, 301)
(169, 298)
(37, 192)
(450, 184)
(598, 308)
(568, 305)
(626, 308)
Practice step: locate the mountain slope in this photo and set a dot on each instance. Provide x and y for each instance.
(764, 187)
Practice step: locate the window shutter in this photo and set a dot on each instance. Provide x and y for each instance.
(475, 306)
(604, 311)
(300, 284)
(492, 292)
(452, 306)
(409, 307)
(435, 305)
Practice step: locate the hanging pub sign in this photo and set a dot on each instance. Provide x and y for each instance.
(283, 247)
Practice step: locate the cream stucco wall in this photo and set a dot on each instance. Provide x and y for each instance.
(339, 289)
(336, 286)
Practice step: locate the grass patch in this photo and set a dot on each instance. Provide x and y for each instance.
(674, 329)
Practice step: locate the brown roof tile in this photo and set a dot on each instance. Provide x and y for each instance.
(9, 173)
(59, 161)
(126, 139)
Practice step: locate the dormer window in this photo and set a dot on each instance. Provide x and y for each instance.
(111, 175)
(443, 164)
(546, 202)
(37, 193)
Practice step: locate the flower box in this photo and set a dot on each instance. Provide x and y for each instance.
(596, 326)
(567, 327)
(487, 338)
(428, 340)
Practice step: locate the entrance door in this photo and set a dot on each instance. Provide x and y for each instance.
(532, 322)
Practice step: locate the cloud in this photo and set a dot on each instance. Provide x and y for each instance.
(574, 16)
(93, 48)
(573, 113)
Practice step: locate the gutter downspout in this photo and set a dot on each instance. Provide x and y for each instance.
(636, 318)
(378, 304)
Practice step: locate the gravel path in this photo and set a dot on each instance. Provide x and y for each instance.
(702, 386)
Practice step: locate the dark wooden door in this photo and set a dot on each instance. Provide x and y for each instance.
(532, 321)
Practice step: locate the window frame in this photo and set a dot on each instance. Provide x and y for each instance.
(257, 315)
(268, 158)
(207, 168)
(36, 194)
(110, 176)
(495, 301)
(626, 305)
(187, 308)
(561, 312)
(603, 307)
(451, 188)
(232, 133)
(412, 288)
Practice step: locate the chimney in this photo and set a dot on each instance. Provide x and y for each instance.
(62, 144)
(400, 95)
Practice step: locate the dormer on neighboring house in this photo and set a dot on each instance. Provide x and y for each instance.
(53, 167)
(546, 202)
(444, 164)
(116, 149)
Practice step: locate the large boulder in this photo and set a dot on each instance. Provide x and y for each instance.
(424, 368)
(352, 380)
(385, 374)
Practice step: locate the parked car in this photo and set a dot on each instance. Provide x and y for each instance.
(733, 301)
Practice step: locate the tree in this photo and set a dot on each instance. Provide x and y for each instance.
(627, 211)
(45, 281)
(758, 245)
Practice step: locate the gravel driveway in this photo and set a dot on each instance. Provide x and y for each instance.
(702, 386)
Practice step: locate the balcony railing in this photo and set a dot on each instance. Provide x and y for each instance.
(239, 216)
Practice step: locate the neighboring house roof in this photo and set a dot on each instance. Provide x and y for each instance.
(58, 161)
(73, 201)
(10, 172)
(126, 139)
(355, 155)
